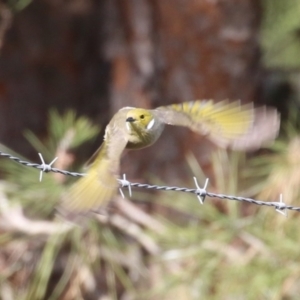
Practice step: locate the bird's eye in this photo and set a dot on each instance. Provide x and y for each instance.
(142, 116)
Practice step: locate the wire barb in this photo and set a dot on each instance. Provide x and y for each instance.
(45, 167)
(121, 192)
(201, 193)
(280, 206)
(125, 183)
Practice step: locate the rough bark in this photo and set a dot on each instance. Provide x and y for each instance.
(98, 56)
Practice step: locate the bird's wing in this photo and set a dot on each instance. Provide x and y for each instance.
(264, 130)
(99, 185)
(227, 124)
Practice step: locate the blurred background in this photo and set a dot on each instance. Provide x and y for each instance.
(66, 66)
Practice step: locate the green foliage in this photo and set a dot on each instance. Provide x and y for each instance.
(61, 259)
(18, 5)
(231, 250)
(65, 133)
(280, 33)
(219, 250)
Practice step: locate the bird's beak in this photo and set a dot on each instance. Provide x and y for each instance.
(130, 119)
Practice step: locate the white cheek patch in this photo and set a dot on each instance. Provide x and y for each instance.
(150, 125)
(128, 126)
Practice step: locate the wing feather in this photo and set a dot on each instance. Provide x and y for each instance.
(100, 183)
(227, 124)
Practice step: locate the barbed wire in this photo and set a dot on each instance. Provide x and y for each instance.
(201, 193)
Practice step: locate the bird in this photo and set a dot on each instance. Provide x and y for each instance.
(229, 125)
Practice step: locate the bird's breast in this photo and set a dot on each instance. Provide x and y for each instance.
(138, 141)
(144, 138)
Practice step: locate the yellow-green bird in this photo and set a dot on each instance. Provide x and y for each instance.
(228, 125)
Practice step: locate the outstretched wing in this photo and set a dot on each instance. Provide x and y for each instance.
(265, 129)
(229, 125)
(100, 183)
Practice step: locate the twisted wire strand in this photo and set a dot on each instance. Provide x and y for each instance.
(280, 206)
(202, 192)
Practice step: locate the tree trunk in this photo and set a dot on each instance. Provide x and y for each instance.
(98, 56)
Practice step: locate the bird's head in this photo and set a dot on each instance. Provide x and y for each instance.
(143, 128)
(140, 120)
